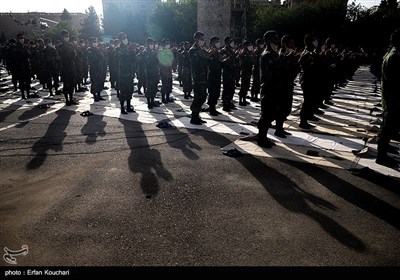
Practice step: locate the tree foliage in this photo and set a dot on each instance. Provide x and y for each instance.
(91, 25)
(64, 24)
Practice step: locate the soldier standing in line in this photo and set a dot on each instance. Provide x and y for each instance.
(50, 67)
(290, 69)
(112, 64)
(246, 61)
(67, 55)
(390, 101)
(199, 60)
(256, 86)
(23, 66)
(126, 57)
(309, 81)
(180, 50)
(140, 70)
(228, 74)
(186, 71)
(238, 65)
(78, 64)
(95, 57)
(152, 69)
(85, 64)
(165, 60)
(271, 87)
(10, 56)
(214, 76)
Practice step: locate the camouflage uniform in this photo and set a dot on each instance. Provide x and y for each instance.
(95, 57)
(67, 54)
(126, 71)
(214, 80)
(246, 61)
(152, 69)
(186, 73)
(165, 59)
(228, 78)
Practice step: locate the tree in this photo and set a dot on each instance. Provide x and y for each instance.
(91, 25)
(65, 16)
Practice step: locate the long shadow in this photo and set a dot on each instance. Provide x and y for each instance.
(11, 108)
(388, 183)
(292, 197)
(52, 140)
(350, 193)
(94, 127)
(144, 159)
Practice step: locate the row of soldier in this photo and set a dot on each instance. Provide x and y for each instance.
(322, 66)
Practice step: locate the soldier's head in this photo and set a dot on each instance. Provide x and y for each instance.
(74, 40)
(48, 42)
(65, 36)
(20, 38)
(12, 42)
(214, 42)
(288, 43)
(271, 38)
(93, 42)
(166, 43)
(229, 42)
(141, 49)
(123, 38)
(247, 45)
(187, 45)
(260, 43)
(82, 43)
(310, 41)
(150, 43)
(198, 37)
(395, 39)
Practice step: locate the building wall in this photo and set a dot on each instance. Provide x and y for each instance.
(11, 28)
(214, 18)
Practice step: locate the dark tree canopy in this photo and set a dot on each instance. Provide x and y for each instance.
(91, 25)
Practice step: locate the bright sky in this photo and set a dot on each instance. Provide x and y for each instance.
(21, 6)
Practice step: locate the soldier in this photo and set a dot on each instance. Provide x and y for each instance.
(199, 61)
(309, 80)
(186, 71)
(10, 56)
(78, 64)
(165, 59)
(23, 66)
(85, 63)
(180, 50)
(140, 70)
(290, 69)
(50, 58)
(67, 54)
(271, 87)
(256, 86)
(126, 57)
(95, 57)
(152, 69)
(112, 64)
(214, 76)
(228, 74)
(390, 101)
(246, 62)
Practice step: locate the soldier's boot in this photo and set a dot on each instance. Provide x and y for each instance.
(196, 119)
(51, 91)
(167, 97)
(279, 130)
(123, 111)
(226, 107)
(263, 141)
(163, 99)
(186, 96)
(149, 103)
(129, 107)
(71, 99)
(154, 103)
(23, 94)
(67, 101)
(242, 101)
(213, 111)
(256, 99)
(96, 97)
(99, 97)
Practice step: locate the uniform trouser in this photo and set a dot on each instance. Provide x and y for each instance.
(245, 86)
(228, 89)
(166, 85)
(310, 101)
(151, 84)
(200, 97)
(68, 86)
(268, 113)
(389, 128)
(214, 89)
(256, 87)
(24, 83)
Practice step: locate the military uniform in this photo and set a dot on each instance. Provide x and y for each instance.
(152, 69)
(126, 71)
(271, 89)
(256, 86)
(67, 53)
(214, 81)
(165, 59)
(390, 101)
(186, 73)
(95, 57)
(112, 66)
(50, 59)
(23, 68)
(141, 72)
(199, 62)
(246, 61)
(228, 78)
